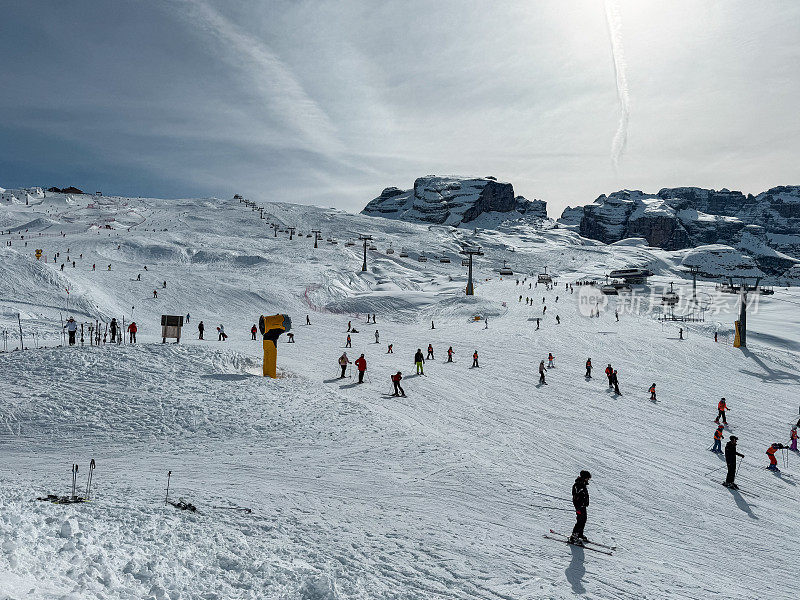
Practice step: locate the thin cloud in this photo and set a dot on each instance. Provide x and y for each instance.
(267, 74)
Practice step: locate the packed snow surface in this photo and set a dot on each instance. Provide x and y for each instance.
(445, 493)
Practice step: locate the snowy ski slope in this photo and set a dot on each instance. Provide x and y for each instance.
(354, 493)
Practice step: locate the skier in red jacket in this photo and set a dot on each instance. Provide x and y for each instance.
(361, 364)
(398, 390)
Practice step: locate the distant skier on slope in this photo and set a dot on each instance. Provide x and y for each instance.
(253, 331)
(430, 352)
(200, 329)
(615, 382)
(652, 391)
(419, 361)
(155, 293)
(475, 359)
(793, 439)
(349, 342)
(609, 372)
(773, 462)
(588, 368)
(718, 437)
(389, 350)
(541, 373)
(343, 362)
(722, 408)
(308, 321)
(72, 328)
(580, 500)
(398, 389)
(432, 326)
(132, 329)
(450, 353)
(377, 337)
(730, 460)
(550, 359)
(114, 327)
(361, 365)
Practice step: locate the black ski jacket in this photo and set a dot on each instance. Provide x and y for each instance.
(580, 494)
(731, 453)
(419, 358)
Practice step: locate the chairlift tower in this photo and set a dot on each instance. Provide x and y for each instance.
(291, 232)
(365, 239)
(741, 325)
(316, 233)
(694, 270)
(470, 252)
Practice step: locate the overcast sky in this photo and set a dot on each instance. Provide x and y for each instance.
(327, 103)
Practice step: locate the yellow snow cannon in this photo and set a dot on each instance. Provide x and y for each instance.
(271, 327)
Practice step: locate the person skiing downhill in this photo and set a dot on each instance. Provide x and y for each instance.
(253, 331)
(398, 389)
(430, 352)
(652, 391)
(722, 407)
(361, 365)
(615, 382)
(349, 342)
(200, 329)
(419, 361)
(718, 437)
(343, 362)
(580, 500)
(475, 359)
(550, 359)
(389, 350)
(541, 373)
(773, 462)
(588, 368)
(730, 460)
(187, 317)
(793, 438)
(450, 353)
(609, 372)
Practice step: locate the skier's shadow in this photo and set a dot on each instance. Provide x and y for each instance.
(576, 569)
(742, 504)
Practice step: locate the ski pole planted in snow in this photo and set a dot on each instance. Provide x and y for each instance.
(74, 479)
(89, 480)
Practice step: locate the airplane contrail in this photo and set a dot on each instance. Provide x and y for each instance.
(614, 24)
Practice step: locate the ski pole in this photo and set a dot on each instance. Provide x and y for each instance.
(169, 474)
(89, 480)
(74, 479)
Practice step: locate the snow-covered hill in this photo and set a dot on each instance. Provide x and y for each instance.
(445, 493)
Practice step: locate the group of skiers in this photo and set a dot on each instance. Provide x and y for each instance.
(730, 447)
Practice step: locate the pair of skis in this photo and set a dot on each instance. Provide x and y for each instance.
(586, 544)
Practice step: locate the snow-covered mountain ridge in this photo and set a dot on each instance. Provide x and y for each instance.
(766, 226)
(455, 201)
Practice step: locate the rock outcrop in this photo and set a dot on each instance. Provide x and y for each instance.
(765, 226)
(454, 201)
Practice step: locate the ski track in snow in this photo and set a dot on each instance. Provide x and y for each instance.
(360, 495)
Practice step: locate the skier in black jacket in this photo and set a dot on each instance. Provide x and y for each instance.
(580, 499)
(730, 459)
